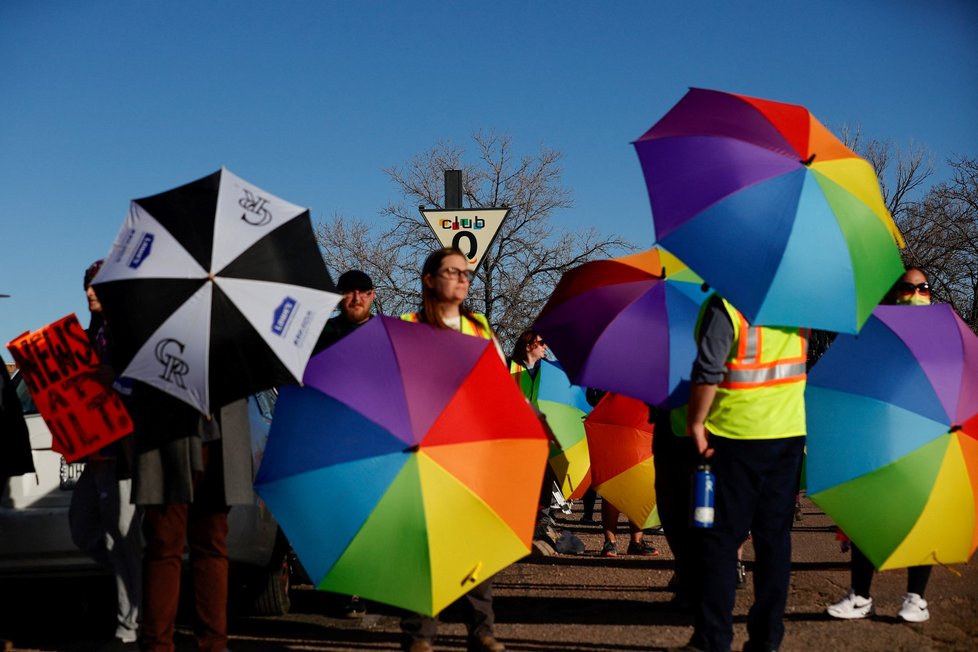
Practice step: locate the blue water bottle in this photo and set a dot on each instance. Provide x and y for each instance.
(704, 484)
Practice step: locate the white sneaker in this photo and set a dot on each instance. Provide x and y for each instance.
(850, 607)
(914, 609)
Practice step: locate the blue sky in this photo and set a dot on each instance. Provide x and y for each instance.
(102, 102)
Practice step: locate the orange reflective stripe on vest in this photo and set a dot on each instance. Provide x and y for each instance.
(748, 368)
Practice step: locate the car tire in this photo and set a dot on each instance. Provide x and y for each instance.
(272, 583)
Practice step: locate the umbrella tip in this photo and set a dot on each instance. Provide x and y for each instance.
(808, 162)
(956, 427)
(412, 449)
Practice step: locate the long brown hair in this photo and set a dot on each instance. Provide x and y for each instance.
(522, 346)
(429, 313)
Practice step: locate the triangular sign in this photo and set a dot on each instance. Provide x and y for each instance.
(470, 229)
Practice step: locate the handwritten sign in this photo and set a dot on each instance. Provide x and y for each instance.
(60, 369)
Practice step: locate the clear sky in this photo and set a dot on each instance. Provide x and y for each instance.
(102, 102)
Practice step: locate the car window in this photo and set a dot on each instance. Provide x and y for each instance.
(24, 396)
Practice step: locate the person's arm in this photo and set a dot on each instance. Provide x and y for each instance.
(700, 400)
(712, 348)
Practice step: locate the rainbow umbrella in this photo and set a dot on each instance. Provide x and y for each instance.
(893, 436)
(565, 406)
(408, 436)
(620, 438)
(771, 209)
(626, 325)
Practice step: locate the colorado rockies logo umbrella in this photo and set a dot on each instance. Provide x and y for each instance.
(214, 290)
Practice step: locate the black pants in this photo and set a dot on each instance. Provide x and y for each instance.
(863, 569)
(479, 618)
(675, 460)
(756, 482)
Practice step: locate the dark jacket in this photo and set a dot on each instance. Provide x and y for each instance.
(15, 443)
(169, 437)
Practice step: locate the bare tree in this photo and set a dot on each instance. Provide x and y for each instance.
(354, 244)
(527, 257)
(901, 172)
(939, 225)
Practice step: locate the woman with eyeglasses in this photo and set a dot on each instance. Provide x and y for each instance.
(912, 289)
(445, 281)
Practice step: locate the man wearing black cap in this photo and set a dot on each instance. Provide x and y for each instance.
(358, 296)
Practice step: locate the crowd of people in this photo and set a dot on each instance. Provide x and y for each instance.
(143, 499)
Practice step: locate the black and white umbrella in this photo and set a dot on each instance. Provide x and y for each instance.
(214, 290)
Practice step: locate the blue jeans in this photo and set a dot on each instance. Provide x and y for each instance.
(756, 483)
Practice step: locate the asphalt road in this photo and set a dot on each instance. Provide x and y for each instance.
(585, 603)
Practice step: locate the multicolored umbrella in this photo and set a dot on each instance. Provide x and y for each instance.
(893, 436)
(772, 210)
(626, 325)
(620, 438)
(408, 467)
(215, 290)
(565, 406)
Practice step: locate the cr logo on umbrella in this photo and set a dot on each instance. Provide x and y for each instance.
(174, 367)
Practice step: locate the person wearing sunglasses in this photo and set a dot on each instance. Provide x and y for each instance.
(445, 282)
(912, 289)
(524, 367)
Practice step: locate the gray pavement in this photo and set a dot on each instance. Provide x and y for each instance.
(588, 603)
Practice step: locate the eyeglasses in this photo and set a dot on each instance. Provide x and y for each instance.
(456, 274)
(537, 342)
(910, 288)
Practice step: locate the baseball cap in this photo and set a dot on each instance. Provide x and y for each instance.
(354, 279)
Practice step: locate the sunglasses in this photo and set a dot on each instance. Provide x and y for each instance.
(910, 288)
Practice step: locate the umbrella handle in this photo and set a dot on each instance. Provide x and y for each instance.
(473, 575)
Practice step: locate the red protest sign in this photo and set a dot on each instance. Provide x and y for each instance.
(60, 368)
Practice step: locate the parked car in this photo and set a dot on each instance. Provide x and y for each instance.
(35, 538)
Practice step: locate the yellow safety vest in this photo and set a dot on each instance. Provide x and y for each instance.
(471, 324)
(762, 394)
(529, 385)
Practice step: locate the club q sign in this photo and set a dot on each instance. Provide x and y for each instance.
(471, 230)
